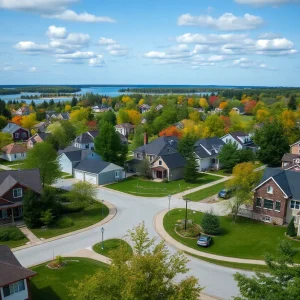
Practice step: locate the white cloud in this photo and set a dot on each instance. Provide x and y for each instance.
(216, 58)
(32, 69)
(78, 55)
(70, 15)
(269, 35)
(97, 61)
(165, 55)
(29, 46)
(246, 63)
(180, 48)
(279, 46)
(266, 2)
(113, 47)
(227, 22)
(56, 32)
(207, 39)
(105, 41)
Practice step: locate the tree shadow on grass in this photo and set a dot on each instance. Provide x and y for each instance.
(46, 293)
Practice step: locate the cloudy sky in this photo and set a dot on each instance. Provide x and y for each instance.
(228, 42)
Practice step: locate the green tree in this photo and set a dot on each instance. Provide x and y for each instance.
(109, 146)
(291, 230)
(229, 156)
(74, 101)
(108, 117)
(83, 192)
(272, 142)
(150, 273)
(144, 169)
(292, 105)
(5, 139)
(190, 169)
(281, 282)
(31, 209)
(186, 145)
(47, 217)
(43, 157)
(3, 122)
(138, 137)
(210, 223)
(40, 115)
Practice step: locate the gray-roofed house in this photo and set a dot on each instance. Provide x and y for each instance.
(41, 127)
(144, 108)
(126, 129)
(242, 139)
(57, 116)
(86, 140)
(240, 110)
(13, 185)
(98, 172)
(14, 279)
(17, 132)
(206, 153)
(69, 159)
(277, 197)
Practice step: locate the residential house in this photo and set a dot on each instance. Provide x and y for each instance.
(277, 197)
(240, 110)
(144, 108)
(199, 109)
(37, 138)
(241, 139)
(123, 139)
(67, 149)
(143, 120)
(14, 152)
(57, 116)
(101, 108)
(14, 279)
(22, 111)
(86, 140)
(13, 185)
(41, 127)
(292, 160)
(159, 107)
(98, 172)
(17, 132)
(206, 153)
(126, 129)
(69, 159)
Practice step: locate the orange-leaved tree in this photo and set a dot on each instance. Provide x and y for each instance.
(171, 131)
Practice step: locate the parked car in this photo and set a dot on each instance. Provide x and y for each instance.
(225, 194)
(204, 241)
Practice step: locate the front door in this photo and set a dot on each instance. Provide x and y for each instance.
(159, 174)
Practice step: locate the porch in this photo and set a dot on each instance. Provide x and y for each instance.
(159, 173)
(11, 214)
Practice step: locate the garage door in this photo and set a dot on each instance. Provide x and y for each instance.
(91, 178)
(78, 175)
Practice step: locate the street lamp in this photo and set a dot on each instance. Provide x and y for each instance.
(102, 207)
(102, 230)
(169, 197)
(185, 221)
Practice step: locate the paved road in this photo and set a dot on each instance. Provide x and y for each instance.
(218, 281)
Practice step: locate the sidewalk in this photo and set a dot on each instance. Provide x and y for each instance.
(158, 224)
(33, 239)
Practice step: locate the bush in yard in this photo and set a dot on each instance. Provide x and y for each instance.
(47, 217)
(210, 223)
(64, 222)
(31, 209)
(72, 207)
(11, 234)
(291, 230)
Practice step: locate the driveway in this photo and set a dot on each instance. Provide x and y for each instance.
(131, 210)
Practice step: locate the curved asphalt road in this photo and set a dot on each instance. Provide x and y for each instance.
(218, 281)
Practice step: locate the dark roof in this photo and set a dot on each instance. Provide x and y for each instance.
(67, 149)
(10, 268)
(208, 147)
(84, 138)
(286, 179)
(289, 157)
(238, 134)
(92, 166)
(174, 160)
(77, 155)
(94, 133)
(30, 178)
(161, 146)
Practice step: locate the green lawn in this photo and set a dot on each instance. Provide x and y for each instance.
(205, 193)
(14, 244)
(54, 284)
(148, 188)
(15, 236)
(246, 119)
(110, 245)
(220, 172)
(9, 163)
(89, 216)
(245, 239)
(17, 166)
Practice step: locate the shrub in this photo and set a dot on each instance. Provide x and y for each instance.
(64, 222)
(192, 229)
(210, 223)
(11, 234)
(59, 260)
(72, 207)
(291, 230)
(47, 217)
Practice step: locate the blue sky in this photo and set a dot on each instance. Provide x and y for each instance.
(228, 42)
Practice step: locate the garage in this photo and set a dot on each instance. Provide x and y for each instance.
(79, 175)
(91, 178)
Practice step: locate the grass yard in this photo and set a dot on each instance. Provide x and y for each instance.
(14, 244)
(246, 238)
(12, 236)
(205, 193)
(110, 245)
(51, 284)
(89, 216)
(246, 119)
(148, 188)
(220, 172)
(18, 165)
(7, 163)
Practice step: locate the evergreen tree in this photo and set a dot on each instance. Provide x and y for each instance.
(31, 209)
(210, 223)
(190, 169)
(109, 146)
(138, 137)
(292, 105)
(186, 145)
(291, 230)
(229, 156)
(74, 101)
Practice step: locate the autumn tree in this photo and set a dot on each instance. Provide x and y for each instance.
(203, 103)
(213, 126)
(81, 114)
(123, 116)
(171, 131)
(29, 121)
(141, 102)
(191, 102)
(195, 116)
(223, 105)
(262, 115)
(17, 120)
(134, 116)
(150, 273)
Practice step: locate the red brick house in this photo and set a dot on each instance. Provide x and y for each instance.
(14, 279)
(13, 185)
(277, 196)
(18, 133)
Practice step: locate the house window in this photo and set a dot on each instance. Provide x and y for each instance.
(277, 205)
(3, 214)
(15, 155)
(17, 193)
(267, 219)
(13, 288)
(270, 190)
(160, 162)
(258, 202)
(268, 204)
(87, 146)
(24, 134)
(295, 204)
(117, 174)
(22, 154)
(17, 135)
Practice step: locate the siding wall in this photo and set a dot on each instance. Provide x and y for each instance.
(109, 176)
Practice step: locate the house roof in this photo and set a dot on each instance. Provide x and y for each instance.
(124, 125)
(174, 160)
(42, 136)
(161, 146)
(67, 149)
(240, 108)
(11, 128)
(287, 180)
(208, 147)
(30, 178)
(14, 148)
(146, 106)
(238, 134)
(289, 157)
(84, 138)
(11, 269)
(297, 143)
(77, 155)
(92, 166)
(40, 124)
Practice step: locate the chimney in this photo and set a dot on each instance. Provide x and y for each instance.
(145, 138)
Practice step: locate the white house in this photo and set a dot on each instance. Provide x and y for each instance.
(144, 108)
(86, 140)
(126, 129)
(14, 151)
(14, 279)
(241, 139)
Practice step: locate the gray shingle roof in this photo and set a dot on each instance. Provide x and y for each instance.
(289, 157)
(161, 146)
(92, 166)
(77, 155)
(67, 149)
(213, 145)
(84, 138)
(174, 160)
(11, 128)
(238, 134)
